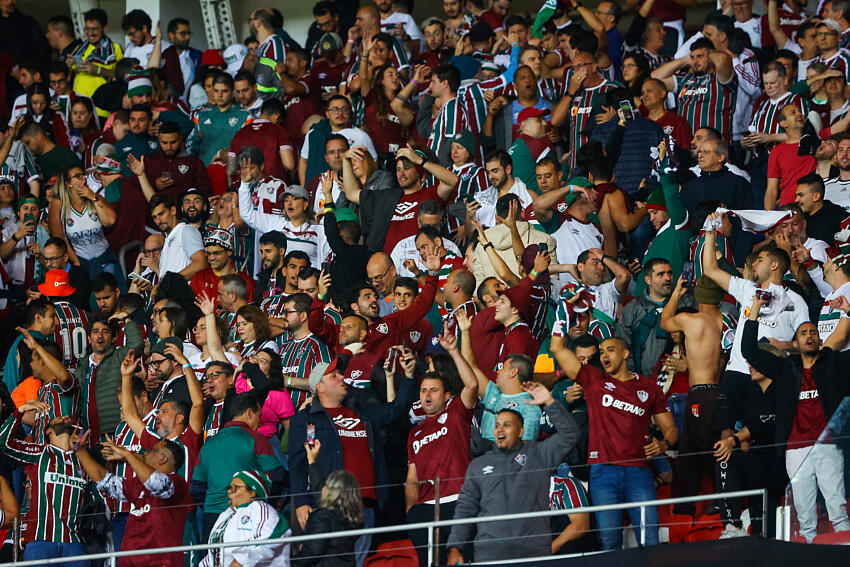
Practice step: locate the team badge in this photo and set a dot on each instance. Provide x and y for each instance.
(561, 207)
(233, 121)
(245, 519)
(521, 459)
(69, 221)
(642, 395)
(152, 144)
(383, 328)
(356, 374)
(442, 419)
(415, 336)
(511, 405)
(183, 168)
(695, 410)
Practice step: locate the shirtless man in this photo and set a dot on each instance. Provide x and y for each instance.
(703, 331)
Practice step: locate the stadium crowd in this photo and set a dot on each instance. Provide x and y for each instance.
(490, 262)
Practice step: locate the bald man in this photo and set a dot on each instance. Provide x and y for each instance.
(382, 274)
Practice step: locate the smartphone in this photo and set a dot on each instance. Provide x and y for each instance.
(135, 276)
(166, 175)
(326, 267)
(542, 247)
(392, 357)
(628, 109)
(311, 434)
(688, 273)
(29, 217)
(78, 59)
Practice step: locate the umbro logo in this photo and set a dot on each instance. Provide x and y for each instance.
(403, 208)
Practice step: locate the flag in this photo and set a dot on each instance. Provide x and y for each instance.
(756, 221)
(543, 15)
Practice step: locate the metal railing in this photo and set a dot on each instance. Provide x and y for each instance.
(430, 526)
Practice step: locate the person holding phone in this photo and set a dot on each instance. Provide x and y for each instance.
(21, 244)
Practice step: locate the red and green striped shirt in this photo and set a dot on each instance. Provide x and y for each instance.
(298, 357)
(706, 102)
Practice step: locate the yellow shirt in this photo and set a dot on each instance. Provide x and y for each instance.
(86, 83)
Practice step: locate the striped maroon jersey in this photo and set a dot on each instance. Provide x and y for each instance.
(71, 335)
(706, 102)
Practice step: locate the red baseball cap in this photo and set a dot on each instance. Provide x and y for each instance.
(212, 57)
(56, 284)
(531, 112)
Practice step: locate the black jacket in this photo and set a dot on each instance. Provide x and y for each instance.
(731, 190)
(349, 265)
(79, 279)
(328, 552)
(828, 372)
(826, 222)
(374, 416)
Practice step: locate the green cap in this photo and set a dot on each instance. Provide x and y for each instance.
(346, 214)
(29, 198)
(657, 200)
(466, 139)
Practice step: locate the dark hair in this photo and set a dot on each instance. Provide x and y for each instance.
(43, 90)
(702, 43)
(142, 108)
(601, 170)
(136, 19)
(523, 364)
(296, 255)
(480, 31)
(429, 231)
(92, 124)
(104, 319)
(585, 41)
(175, 450)
(430, 207)
(59, 67)
(275, 238)
(723, 24)
(503, 157)
(354, 294)
(169, 127)
(407, 283)
(179, 321)
(448, 73)
(446, 368)
(96, 15)
(58, 243)
(703, 209)
(271, 106)
(172, 25)
(337, 138)
(739, 40)
(242, 403)
(586, 341)
(163, 199)
(713, 133)
(244, 75)
(325, 7)
(776, 67)
(64, 23)
(779, 256)
(514, 413)
(466, 281)
(549, 159)
(102, 280)
(308, 272)
(503, 204)
(301, 302)
(37, 307)
(644, 71)
(223, 78)
(814, 182)
(513, 20)
(52, 349)
(649, 267)
(482, 288)
(339, 97)
(302, 55)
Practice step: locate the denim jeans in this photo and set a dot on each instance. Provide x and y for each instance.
(37, 550)
(677, 408)
(363, 543)
(615, 484)
(106, 262)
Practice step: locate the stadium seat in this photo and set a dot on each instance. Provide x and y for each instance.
(834, 538)
(398, 553)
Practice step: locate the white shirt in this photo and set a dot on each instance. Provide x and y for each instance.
(406, 249)
(84, 233)
(817, 249)
(410, 27)
(187, 68)
(773, 322)
(183, 241)
(829, 317)
(606, 298)
(487, 213)
(838, 192)
(142, 52)
(574, 237)
(753, 29)
(355, 137)
(199, 364)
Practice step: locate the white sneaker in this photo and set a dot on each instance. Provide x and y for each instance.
(731, 531)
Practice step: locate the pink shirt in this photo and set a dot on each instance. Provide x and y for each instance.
(277, 406)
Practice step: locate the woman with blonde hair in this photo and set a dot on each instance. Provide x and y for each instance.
(81, 217)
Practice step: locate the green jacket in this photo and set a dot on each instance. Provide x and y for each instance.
(672, 242)
(214, 129)
(523, 164)
(106, 382)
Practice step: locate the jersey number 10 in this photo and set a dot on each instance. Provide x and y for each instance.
(74, 343)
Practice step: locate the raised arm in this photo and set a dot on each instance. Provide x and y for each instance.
(710, 267)
(137, 166)
(722, 65)
(350, 184)
(566, 358)
(94, 470)
(128, 406)
(448, 180)
(196, 415)
(469, 394)
(542, 204)
(207, 307)
(62, 374)
(669, 321)
(665, 72)
(773, 24)
(765, 362)
(498, 263)
(464, 323)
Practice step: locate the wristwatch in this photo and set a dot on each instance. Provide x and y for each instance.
(737, 440)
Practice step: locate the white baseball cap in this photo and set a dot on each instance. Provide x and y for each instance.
(234, 55)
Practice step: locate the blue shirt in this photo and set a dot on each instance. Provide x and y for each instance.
(495, 401)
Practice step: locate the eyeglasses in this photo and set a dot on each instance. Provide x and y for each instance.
(77, 176)
(290, 311)
(53, 259)
(380, 277)
(825, 34)
(217, 373)
(337, 109)
(235, 487)
(158, 362)
(153, 251)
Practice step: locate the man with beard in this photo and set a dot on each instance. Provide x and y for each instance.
(436, 51)
(183, 250)
(293, 263)
(784, 165)
(707, 93)
(400, 24)
(382, 273)
(137, 141)
(195, 209)
(272, 279)
(645, 346)
(245, 92)
(177, 419)
(99, 374)
(232, 296)
(303, 351)
(838, 188)
(218, 246)
(823, 218)
(499, 167)
(271, 44)
(507, 126)
(179, 61)
(172, 170)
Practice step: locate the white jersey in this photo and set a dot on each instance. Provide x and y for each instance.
(779, 320)
(199, 363)
(410, 28)
(84, 232)
(829, 317)
(406, 249)
(753, 29)
(251, 522)
(838, 191)
(574, 237)
(606, 298)
(817, 249)
(183, 241)
(142, 52)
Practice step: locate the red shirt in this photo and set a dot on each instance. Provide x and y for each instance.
(388, 134)
(809, 421)
(189, 440)
(619, 414)
(155, 522)
(356, 456)
(270, 138)
(358, 372)
(784, 163)
(206, 282)
(439, 446)
(494, 20)
(403, 222)
(677, 128)
(518, 340)
(323, 77)
(417, 338)
(298, 110)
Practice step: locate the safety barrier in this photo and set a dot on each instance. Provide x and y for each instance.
(430, 526)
